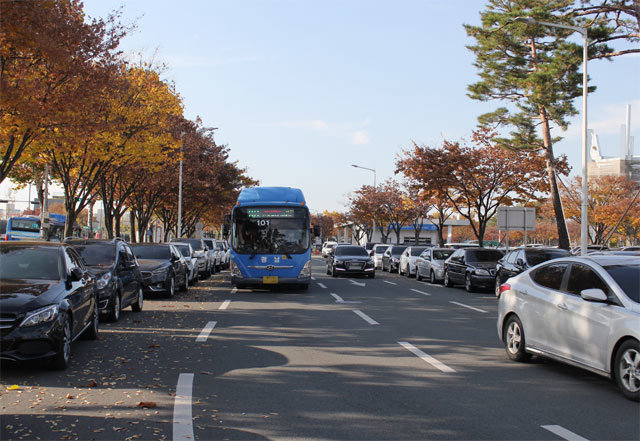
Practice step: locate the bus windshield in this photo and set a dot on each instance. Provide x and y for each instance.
(270, 230)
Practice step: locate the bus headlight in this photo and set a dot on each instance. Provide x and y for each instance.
(305, 271)
(235, 271)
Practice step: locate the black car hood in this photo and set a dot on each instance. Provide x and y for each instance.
(21, 295)
(151, 264)
(98, 270)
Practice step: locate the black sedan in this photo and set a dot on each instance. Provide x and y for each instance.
(350, 260)
(521, 259)
(162, 267)
(474, 267)
(47, 300)
(391, 258)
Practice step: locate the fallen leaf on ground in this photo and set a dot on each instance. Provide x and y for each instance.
(147, 404)
(70, 397)
(14, 387)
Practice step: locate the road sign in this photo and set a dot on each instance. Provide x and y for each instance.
(517, 218)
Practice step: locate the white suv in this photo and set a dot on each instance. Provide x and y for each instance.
(328, 247)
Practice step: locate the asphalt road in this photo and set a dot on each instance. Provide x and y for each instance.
(369, 359)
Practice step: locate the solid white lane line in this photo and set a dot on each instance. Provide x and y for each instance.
(204, 334)
(225, 304)
(365, 317)
(467, 306)
(390, 283)
(420, 292)
(322, 285)
(428, 358)
(564, 433)
(234, 290)
(337, 297)
(182, 421)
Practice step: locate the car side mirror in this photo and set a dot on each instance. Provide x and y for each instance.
(593, 295)
(76, 274)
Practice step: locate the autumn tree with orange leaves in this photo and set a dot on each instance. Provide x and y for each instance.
(608, 199)
(477, 178)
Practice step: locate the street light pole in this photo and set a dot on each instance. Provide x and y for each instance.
(374, 187)
(179, 231)
(584, 227)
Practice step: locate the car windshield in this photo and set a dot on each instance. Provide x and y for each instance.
(484, 255)
(196, 244)
(416, 251)
(97, 254)
(628, 278)
(442, 254)
(381, 249)
(535, 257)
(151, 252)
(184, 250)
(396, 251)
(351, 251)
(270, 230)
(209, 243)
(30, 263)
(29, 225)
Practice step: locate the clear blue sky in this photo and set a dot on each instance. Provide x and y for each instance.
(302, 89)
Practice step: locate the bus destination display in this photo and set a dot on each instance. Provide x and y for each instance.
(265, 213)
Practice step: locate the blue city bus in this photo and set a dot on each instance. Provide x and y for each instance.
(270, 238)
(23, 228)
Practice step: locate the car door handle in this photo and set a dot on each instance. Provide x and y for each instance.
(561, 306)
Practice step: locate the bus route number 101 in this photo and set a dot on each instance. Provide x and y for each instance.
(263, 222)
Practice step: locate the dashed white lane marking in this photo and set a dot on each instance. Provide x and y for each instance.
(234, 290)
(313, 278)
(564, 433)
(420, 292)
(225, 304)
(467, 306)
(204, 334)
(357, 283)
(322, 285)
(428, 358)
(365, 317)
(337, 297)
(390, 283)
(182, 421)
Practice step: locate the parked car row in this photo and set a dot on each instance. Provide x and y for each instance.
(52, 293)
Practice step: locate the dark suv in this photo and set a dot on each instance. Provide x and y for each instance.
(521, 259)
(119, 282)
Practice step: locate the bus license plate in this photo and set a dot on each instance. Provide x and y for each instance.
(272, 280)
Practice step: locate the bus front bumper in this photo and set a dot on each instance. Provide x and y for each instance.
(259, 281)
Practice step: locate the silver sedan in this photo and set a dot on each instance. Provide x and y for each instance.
(584, 311)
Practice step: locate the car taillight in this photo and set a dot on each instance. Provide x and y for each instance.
(504, 287)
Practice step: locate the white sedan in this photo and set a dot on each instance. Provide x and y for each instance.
(584, 311)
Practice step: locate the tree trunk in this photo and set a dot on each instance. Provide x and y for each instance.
(71, 217)
(108, 219)
(91, 219)
(117, 219)
(132, 222)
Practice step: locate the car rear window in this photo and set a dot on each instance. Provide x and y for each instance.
(535, 257)
(30, 263)
(151, 252)
(484, 255)
(628, 278)
(351, 251)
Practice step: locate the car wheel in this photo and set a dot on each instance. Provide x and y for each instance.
(514, 342)
(372, 275)
(172, 287)
(447, 280)
(137, 306)
(62, 358)
(92, 331)
(116, 306)
(185, 285)
(468, 285)
(418, 276)
(627, 369)
(333, 272)
(195, 279)
(432, 277)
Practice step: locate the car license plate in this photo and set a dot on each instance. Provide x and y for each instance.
(271, 280)
(354, 266)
